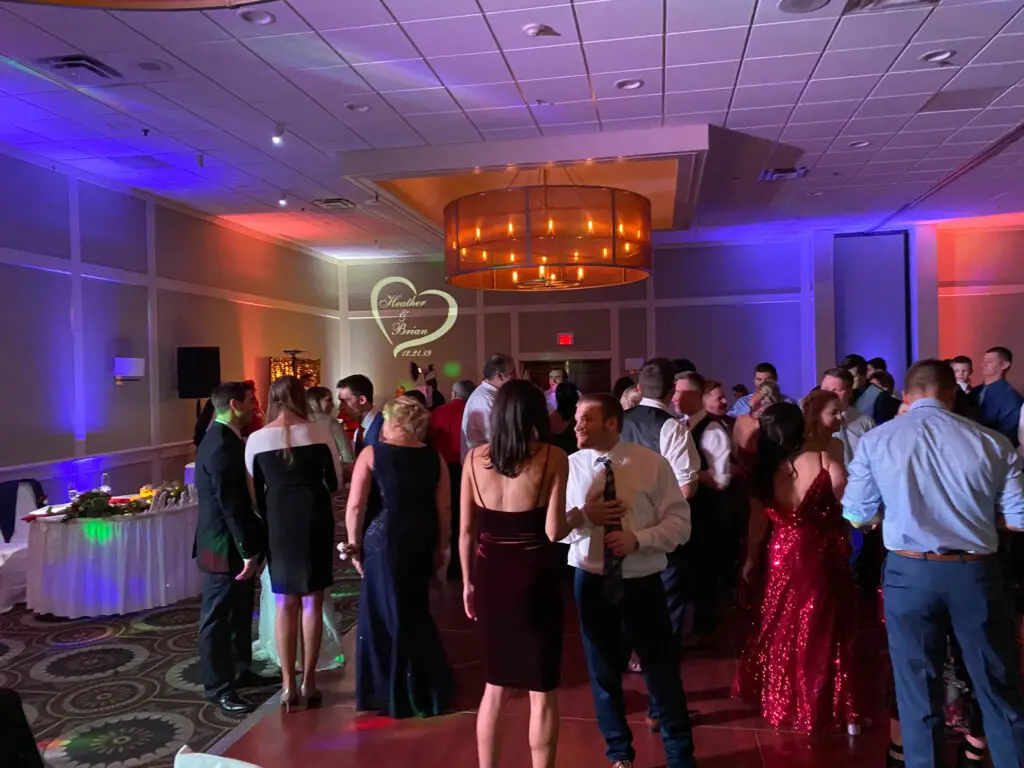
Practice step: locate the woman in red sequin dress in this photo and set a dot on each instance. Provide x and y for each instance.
(798, 665)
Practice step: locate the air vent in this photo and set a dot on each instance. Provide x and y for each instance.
(963, 98)
(76, 64)
(334, 204)
(782, 174)
(855, 6)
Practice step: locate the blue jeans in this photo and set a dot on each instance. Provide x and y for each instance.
(640, 622)
(925, 600)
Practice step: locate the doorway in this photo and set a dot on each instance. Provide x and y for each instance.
(587, 375)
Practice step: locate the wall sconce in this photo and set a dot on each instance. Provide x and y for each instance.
(128, 369)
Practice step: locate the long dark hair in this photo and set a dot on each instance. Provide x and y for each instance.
(780, 440)
(520, 414)
(567, 395)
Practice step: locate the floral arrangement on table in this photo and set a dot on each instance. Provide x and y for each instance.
(98, 505)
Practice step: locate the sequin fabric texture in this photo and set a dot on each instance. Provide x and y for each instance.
(798, 665)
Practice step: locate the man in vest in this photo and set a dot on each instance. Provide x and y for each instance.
(654, 425)
(706, 552)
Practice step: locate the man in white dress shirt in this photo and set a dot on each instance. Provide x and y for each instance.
(854, 423)
(705, 554)
(654, 425)
(634, 513)
(476, 419)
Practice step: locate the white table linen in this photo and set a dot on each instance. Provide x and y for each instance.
(112, 566)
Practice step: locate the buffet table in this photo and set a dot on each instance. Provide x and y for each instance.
(111, 566)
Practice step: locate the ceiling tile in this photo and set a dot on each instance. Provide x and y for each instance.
(770, 12)
(626, 107)
(885, 106)
(1014, 97)
(395, 136)
(330, 14)
(856, 61)
(839, 89)
(506, 134)
(86, 29)
(173, 28)
(451, 36)
(749, 118)
(753, 96)
(415, 10)
(787, 38)
(766, 132)
(421, 101)
(570, 129)
(611, 19)
(871, 30)
(57, 129)
(697, 118)
(571, 112)
(538, 63)
(824, 130)
(698, 77)
(705, 46)
(508, 27)
(70, 104)
(398, 75)
(364, 45)
(18, 110)
(501, 119)
(1006, 116)
(556, 90)
(330, 81)
(958, 151)
(779, 69)
(868, 125)
(987, 76)
(936, 164)
(26, 42)
(689, 15)
(824, 111)
(471, 69)
(1003, 49)
(920, 138)
(626, 54)
(985, 133)
(688, 103)
(927, 121)
(604, 85)
(953, 22)
(297, 51)
(19, 136)
(286, 21)
(487, 96)
(903, 154)
(631, 123)
(903, 83)
(445, 128)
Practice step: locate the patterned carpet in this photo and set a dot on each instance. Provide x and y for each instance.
(121, 691)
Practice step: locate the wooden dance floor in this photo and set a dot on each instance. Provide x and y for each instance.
(727, 734)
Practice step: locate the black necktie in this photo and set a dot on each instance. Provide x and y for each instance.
(614, 588)
(359, 439)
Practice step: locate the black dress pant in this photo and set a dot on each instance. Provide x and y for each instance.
(455, 565)
(225, 631)
(17, 744)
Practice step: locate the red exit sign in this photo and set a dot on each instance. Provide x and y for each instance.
(565, 339)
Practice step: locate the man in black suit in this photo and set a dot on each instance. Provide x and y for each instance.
(229, 548)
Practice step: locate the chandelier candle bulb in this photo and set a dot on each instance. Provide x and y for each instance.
(515, 276)
(478, 233)
(590, 227)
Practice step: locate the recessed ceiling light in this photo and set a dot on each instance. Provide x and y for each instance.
(541, 30)
(939, 57)
(278, 138)
(354, 107)
(801, 6)
(283, 200)
(816, 193)
(261, 18)
(859, 144)
(155, 66)
(542, 103)
(629, 84)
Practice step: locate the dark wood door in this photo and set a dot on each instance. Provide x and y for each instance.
(587, 375)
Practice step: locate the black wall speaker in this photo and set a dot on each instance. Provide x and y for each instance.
(198, 372)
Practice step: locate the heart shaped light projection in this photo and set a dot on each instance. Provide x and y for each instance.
(547, 238)
(409, 334)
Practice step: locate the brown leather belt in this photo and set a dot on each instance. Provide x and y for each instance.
(952, 557)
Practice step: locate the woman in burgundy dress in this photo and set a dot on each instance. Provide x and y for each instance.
(513, 512)
(798, 665)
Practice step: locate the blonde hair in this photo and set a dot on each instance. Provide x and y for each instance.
(766, 394)
(631, 398)
(409, 415)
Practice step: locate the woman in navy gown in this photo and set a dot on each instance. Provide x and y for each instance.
(397, 538)
(513, 510)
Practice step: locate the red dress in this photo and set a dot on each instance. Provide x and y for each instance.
(798, 667)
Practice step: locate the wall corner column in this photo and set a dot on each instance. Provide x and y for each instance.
(924, 291)
(818, 312)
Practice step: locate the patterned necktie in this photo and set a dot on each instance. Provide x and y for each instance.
(614, 588)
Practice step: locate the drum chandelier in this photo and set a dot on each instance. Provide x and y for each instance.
(547, 238)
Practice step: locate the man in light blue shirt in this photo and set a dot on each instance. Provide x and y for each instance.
(762, 372)
(947, 485)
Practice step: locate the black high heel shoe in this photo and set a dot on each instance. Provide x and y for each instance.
(894, 756)
(314, 698)
(969, 756)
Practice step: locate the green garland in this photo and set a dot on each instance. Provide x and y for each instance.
(94, 505)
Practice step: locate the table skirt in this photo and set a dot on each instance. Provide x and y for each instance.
(112, 566)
